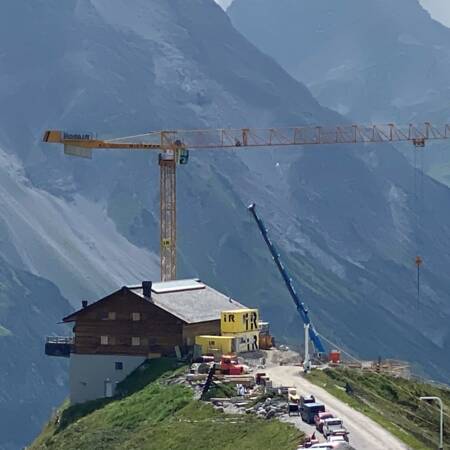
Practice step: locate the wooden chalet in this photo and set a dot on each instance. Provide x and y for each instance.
(148, 320)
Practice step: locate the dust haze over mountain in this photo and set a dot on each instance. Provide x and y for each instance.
(343, 217)
(375, 61)
(369, 60)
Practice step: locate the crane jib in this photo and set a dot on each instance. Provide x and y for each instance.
(300, 306)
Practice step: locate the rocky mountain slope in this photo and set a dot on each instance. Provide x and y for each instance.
(67, 240)
(342, 217)
(373, 61)
(30, 385)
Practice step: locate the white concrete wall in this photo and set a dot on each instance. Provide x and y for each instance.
(89, 374)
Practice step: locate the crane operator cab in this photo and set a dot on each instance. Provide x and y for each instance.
(182, 153)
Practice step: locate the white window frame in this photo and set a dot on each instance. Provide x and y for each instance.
(136, 341)
(136, 316)
(112, 315)
(104, 340)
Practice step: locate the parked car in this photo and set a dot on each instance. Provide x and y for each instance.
(319, 419)
(339, 436)
(304, 400)
(336, 438)
(309, 410)
(333, 426)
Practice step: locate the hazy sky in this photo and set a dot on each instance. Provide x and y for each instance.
(439, 9)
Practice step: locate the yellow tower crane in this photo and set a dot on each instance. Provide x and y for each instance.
(173, 148)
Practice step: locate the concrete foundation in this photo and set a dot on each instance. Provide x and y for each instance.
(96, 376)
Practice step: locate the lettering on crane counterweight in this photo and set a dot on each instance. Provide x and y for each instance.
(77, 137)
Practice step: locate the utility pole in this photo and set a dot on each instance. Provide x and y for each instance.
(441, 427)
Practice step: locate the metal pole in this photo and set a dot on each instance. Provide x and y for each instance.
(441, 421)
(306, 362)
(441, 427)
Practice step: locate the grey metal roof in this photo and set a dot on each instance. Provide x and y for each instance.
(176, 285)
(189, 300)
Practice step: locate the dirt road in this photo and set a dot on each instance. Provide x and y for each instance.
(365, 434)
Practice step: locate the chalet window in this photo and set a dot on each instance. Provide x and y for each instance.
(135, 341)
(104, 340)
(119, 365)
(107, 315)
(135, 317)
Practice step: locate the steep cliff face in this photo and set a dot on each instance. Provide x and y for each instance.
(344, 218)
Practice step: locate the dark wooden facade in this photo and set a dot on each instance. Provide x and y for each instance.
(110, 326)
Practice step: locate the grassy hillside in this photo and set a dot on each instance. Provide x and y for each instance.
(392, 402)
(152, 413)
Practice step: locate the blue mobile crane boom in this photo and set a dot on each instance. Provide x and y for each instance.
(300, 306)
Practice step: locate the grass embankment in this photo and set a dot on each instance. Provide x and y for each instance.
(154, 414)
(392, 402)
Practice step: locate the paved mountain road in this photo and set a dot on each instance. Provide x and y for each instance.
(365, 434)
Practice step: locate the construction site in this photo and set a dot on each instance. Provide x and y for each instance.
(229, 345)
(223, 224)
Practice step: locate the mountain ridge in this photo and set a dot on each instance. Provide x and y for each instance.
(89, 73)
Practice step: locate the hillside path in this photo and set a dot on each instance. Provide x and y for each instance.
(365, 434)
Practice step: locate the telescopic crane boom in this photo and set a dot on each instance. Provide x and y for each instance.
(300, 306)
(173, 149)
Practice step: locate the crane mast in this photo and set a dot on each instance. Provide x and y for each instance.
(173, 150)
(300, 306)
(168, 217)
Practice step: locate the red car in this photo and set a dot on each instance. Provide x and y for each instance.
(320, 418)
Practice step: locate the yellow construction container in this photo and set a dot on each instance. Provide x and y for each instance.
(239, 321)
(216, 344)
(245, 342)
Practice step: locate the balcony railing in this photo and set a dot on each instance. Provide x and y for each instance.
(59, 346)
(59, 340)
